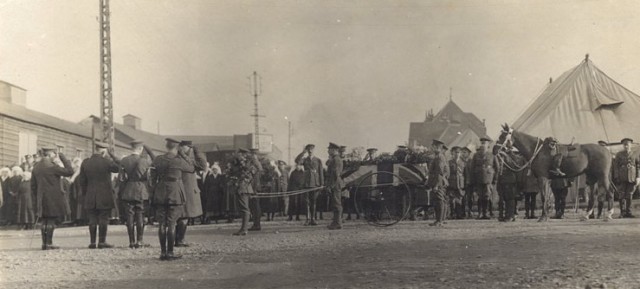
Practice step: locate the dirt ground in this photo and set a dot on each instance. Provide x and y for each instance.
(463, 254)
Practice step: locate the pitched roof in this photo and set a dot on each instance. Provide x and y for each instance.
(583, 105)
(22, 113)
(127, 134)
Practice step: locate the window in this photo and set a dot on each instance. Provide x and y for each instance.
(27, 144)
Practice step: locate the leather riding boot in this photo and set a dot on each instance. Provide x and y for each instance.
(623, 204)
(43, 232)
(243, 227)
(628, 208)
(102, 237)
(180, 231)
(171, 238)
(132, 235)
(93, 232)
(131, 230)
(162, 236)
(140, 230)
(50, 230)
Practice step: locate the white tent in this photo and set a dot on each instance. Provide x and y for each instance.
(583, 105)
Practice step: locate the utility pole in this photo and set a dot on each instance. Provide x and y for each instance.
(256, 89)
(106, 90)
(290, 132)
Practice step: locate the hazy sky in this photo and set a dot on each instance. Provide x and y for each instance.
(352, 72)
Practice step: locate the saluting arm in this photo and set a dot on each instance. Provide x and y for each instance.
(67, 171)
(299, 158)
(149, 151)
(200, 159)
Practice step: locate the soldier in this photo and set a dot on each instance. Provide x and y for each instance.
(95, 183)
(552, 142)
(334, 185)
(193, 204)
(560, 188)
(456, 183)
(483, 176)
(401, 153)
(241, 175)
(47, 188)
(507, 187)
(438, 181)
(313, 178)
(626, 175)
(254, 203)
(529, 186)
(169, 194)
(465, 155)
(134, 191)
(371, 155)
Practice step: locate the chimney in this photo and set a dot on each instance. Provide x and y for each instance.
(132, 121)
(13, 94)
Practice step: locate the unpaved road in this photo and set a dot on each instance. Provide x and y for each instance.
(464, 254)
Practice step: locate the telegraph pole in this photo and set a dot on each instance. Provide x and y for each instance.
(106, 90)
(256, 89)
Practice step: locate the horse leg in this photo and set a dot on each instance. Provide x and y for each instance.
(608, 197)
(590, 203)
(545, 189)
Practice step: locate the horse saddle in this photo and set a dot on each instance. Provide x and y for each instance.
(570, 150)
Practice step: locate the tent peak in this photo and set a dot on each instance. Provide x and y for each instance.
(586, 57)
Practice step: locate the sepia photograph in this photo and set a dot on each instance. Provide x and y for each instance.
(320, 144)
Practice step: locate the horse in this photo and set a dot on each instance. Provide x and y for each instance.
(592, 160)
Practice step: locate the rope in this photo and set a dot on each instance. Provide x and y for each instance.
(284, 194)
(518, 168)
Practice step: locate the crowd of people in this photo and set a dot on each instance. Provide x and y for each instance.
(180, 188)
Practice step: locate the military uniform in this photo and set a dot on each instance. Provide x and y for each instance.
(507, 186)
(560, 188)
(529, 186)
(169, 196)
(438, 183)
(334, 185)
(313, 178)
(241, 176)
(254, 204)
(50, 205)
(626, 169)
(134, 194)
(456, 187)
(193, 203)
(99, 195)
(483, 176)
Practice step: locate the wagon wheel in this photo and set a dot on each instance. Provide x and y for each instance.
(382, 204)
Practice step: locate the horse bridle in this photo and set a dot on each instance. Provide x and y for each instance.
(508, 140)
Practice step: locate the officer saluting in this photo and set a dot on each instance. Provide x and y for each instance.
(193, 204)
(313, 178)
(483, 175)
(95, 181)
(46, 186)
(134, 191)
(626, 175)
(168, 194)
(371, 155)
(335, 184)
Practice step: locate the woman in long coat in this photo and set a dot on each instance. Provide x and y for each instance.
(25, 216)
(214, 189)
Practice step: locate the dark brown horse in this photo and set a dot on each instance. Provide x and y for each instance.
(592, 160)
